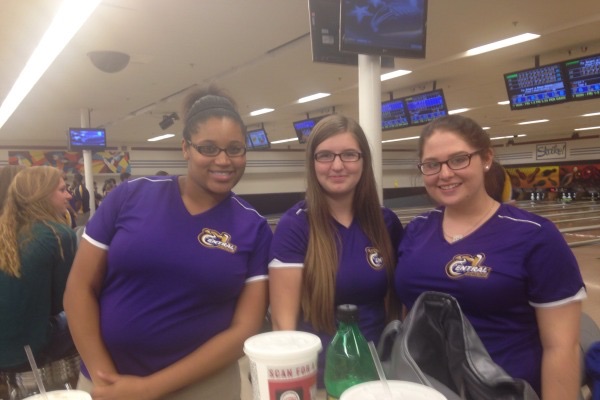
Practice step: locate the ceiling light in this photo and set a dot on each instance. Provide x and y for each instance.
(537, 121)
(502, 43)
(506, 137)
(485, 128)
(591, 114)
(504, 103)
(71, 15)
(312, 97)
(587, 129)
(161, 137)
(285, 140)
(261, 111)
(399, 140)
(394, 74)
(458, 111)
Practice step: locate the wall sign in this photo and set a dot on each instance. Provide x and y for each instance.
(551, 151)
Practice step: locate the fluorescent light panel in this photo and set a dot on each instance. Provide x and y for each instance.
(285, 140)
(161, 137)
(261, 111)
(507, 137)
(504, 103)
(312, 97)
(399, 140)
(394, 74)
(502, 43)
(71, 15)
(538, 121)
(458, 111)
(591, 114)
(587, 129)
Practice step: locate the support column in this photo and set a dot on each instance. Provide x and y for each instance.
(369, 110)
(87, 164)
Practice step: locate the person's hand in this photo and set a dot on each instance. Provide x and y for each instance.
(121, 387)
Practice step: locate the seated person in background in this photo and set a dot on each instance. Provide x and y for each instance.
(36, 252)
(161, 173)
(514, 276)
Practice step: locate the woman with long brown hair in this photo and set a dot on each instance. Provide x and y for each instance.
(338, 245)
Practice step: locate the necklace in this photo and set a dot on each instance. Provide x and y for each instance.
(455, 238)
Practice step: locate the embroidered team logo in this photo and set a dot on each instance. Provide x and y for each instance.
(467, 265)
(215, 240)
(373, 258)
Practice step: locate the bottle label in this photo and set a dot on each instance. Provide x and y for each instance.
(330, 397)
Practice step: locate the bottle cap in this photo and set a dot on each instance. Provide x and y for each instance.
(347, 313)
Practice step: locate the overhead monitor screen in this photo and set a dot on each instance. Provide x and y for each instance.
(536, 87)
(425, 107)
(393, 115)
(583, 77)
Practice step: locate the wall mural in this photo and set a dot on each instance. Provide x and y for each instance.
(103, 162)
(582, 179)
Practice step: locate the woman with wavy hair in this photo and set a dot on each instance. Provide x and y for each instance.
(36, 252)
(338, 245)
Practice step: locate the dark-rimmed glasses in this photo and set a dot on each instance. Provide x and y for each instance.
(210, 150)
(460, 161)
(346, 156)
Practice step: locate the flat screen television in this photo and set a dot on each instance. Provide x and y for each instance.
(394, 115)
(305, 126)
(395, 28)
(257, 139)
(535, 87)
(423, 108)
(87, 139)
(583, 77)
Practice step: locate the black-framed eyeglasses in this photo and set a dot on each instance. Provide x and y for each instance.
(345, 156)
(460, 161)
(210, 150)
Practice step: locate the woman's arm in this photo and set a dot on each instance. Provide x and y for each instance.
(559, 332)
(285, 285)
(82, 309)
(220, 351)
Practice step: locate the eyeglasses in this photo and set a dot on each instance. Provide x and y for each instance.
(346, 156)
(210, 150)
(461, 161)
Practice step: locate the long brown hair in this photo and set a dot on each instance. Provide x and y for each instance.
(324, 246)
(27, 202)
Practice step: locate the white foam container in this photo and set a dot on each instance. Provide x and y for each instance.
(283, 365)
(62, 395)
(401, 390)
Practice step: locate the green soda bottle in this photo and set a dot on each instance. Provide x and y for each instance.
(348, 360)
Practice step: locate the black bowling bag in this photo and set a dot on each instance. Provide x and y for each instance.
(436, 346)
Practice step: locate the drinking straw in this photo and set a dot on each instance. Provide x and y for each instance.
(386, 387)
(36, 372)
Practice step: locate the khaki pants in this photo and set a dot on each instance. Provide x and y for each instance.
(224, 385)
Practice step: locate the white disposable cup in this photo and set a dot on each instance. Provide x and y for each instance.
(62, 395)
(401, 390)
(283, 365)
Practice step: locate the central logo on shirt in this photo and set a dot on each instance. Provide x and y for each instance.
(373, 258)
(216, 240)
(467, 265)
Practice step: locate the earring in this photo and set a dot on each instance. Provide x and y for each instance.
(487, 167)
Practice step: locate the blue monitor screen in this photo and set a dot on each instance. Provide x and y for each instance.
(425, 107)
(257, 139)
(384, 27)
(304, 127)
(536, 87)
(393, 115)
(583, 76)
(87, 139)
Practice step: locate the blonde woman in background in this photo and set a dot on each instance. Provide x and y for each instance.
(36, 252)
